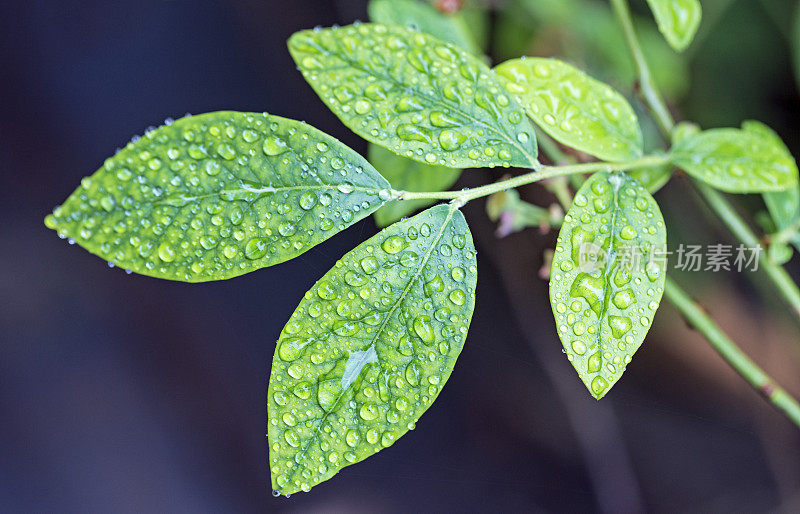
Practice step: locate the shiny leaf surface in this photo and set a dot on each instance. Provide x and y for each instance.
(574, 108)
(737, 161)
(370, 347)
(607, 277)
(418, 96)
(214, 196)
(407, 175)
(451, 28)
(678, 20)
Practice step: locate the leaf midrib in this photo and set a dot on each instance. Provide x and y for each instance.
(607, 272)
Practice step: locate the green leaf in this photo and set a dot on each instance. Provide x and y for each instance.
(407, 175)
(415, 95)
(574, 108)
(370, 347)
(678, 20)
(653, 178)
(425, 18)
(215, 196)
(607, 276)
(683, 130)
(783, 206)
(737, 161)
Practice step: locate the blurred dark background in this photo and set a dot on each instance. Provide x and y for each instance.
(128, 394)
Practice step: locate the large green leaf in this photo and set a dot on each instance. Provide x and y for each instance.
(415, 95)
(574, 108)
(607, 276)
(678, 20)
(407, 175)
(451, 28)
(737, 161)
(370, 347)
(217, 195)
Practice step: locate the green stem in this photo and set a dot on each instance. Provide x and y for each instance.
(543, 172)
(648, 88)
(728, 350)
(739, 228)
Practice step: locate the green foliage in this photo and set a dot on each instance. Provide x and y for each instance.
(683, 130)
(415, 95)
(370, 347)
(214, 196)
(373, 342)
(451, 28)
(407, 175)
(653, 178)
(678, 20)
(574, 108)
(737, 161)
(607, 278)
(783, 206)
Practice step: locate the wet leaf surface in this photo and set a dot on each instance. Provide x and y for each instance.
(369, 347)
(737, 160)
(607, 277)
(677, 20)
(574, 108)
(214, 196)
(418, 96)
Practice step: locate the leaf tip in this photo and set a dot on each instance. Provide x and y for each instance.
(50, 221)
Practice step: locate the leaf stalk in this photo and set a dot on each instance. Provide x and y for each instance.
(541, 172)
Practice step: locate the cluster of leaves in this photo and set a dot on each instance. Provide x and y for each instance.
(372, 343)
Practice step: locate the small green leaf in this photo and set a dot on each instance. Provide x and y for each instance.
(678, 20)
(683, 130)
(607, 276)
(450, 28)
(574, 108)
(370, 347)
(653, 178)
(415, 95)
(214, 196)
(783, 206)
(407, 175)
(737, 161)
